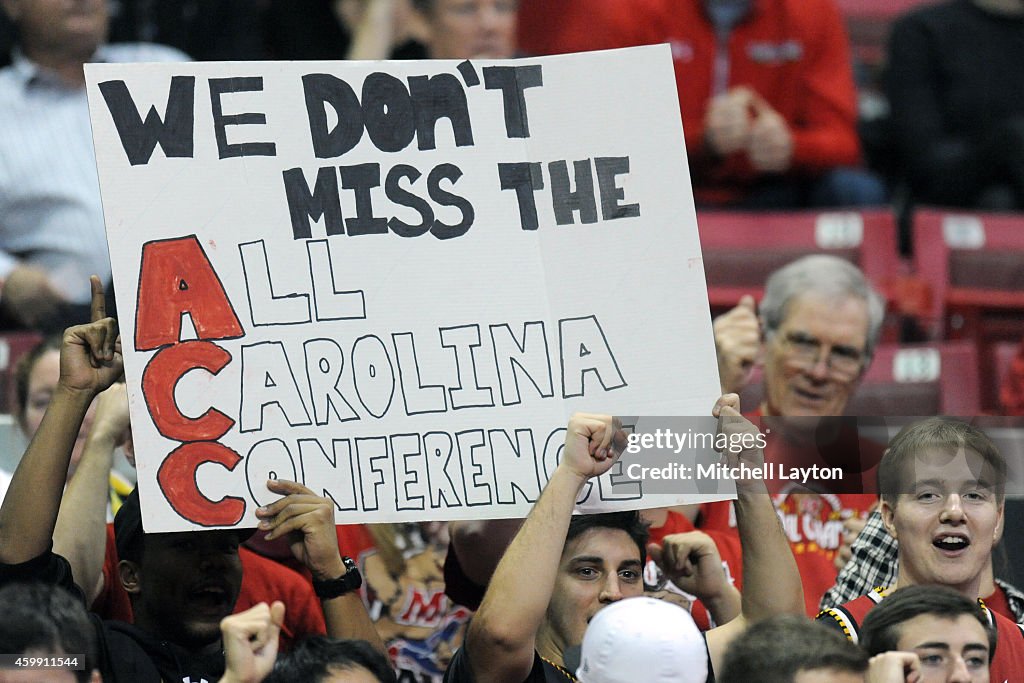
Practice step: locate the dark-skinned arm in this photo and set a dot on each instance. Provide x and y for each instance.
(90, 361)
(307, 520)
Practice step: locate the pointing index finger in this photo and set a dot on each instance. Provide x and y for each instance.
(99, 301)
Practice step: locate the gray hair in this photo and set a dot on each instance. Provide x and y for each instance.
(824, 275)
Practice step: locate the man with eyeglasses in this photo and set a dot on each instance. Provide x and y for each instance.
(817, 328)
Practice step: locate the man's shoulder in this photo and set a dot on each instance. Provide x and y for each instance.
(140, 52)
(1009, 658)
(848, 616)
(11, 84)
(1009, 631)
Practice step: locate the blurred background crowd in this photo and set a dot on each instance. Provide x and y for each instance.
(887, 134)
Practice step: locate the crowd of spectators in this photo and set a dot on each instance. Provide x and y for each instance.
(902, 573)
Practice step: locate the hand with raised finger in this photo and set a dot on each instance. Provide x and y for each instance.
(90, 355)
(692, 562)
(592, 444)
(737, 343)
(250, 641)
(894, 667)
(307, 521)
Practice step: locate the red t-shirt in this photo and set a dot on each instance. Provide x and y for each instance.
(263, 580)
(814, 525)
(998, 603)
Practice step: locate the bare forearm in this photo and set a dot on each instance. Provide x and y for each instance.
(347, 619)
(771, 581)
(375, 32)
(517, 597)
(80, 534)
(29, 511)
(725, 607)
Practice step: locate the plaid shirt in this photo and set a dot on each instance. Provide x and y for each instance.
(874, 564)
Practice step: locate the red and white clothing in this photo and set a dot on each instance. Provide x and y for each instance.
(813, 521)
(1007, 664)
(794, 53)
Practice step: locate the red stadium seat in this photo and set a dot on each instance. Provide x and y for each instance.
(742, 249)
(973, 264)
(921, 379)
(918, 379)
(1002, 357)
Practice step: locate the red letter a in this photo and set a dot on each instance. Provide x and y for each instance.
(177, 278)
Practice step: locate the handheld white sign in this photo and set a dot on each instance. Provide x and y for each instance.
(394, 281)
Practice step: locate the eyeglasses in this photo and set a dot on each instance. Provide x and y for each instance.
(843, 360)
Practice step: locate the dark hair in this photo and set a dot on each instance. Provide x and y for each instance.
(630, 522)
(48, 620)
(23, 372)
(935, 432)
(128, 533)
(776, 650)
(314, 658)
(129, 536)
(881, 629)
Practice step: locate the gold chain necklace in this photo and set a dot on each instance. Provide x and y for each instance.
(563, 671)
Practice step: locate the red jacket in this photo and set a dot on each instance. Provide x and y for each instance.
(794, 53)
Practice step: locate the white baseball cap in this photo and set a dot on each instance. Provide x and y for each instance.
(643, 639)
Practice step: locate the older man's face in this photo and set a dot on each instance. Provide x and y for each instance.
(815, 360)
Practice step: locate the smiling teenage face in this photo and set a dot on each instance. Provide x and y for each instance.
(947, 517)
(815, 359)
(599, 567)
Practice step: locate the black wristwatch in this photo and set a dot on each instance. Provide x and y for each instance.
(346, 583)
